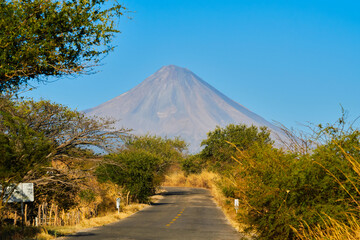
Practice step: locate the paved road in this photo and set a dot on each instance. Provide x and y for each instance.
(183, 213)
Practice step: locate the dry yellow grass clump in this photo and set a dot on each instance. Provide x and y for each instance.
(203, 180)
(334, 230)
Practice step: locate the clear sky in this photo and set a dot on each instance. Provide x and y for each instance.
(293, 61)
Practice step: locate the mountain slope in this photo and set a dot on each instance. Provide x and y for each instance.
(175, 102)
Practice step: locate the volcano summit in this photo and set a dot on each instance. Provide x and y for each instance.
(175, 102)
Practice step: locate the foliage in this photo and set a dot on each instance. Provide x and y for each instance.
(53, 38)
(218, 152)
(280, 191)
(136, 171)
(23, 151)
(11, 232)
(264, 182)
(141, 165)
(192, 164)
(70, 130)
(87, 195)
(47, 144)
(169, 151)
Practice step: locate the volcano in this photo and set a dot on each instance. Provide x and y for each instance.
(175, 102)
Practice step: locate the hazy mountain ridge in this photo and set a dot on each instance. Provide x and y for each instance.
(175, 102)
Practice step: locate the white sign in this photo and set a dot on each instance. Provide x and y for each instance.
(118, 203)
(236, 203)
(24, 192)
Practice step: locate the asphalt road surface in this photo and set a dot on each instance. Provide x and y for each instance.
(183, 213)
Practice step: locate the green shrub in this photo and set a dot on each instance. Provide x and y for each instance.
(192, 165)
(10, 232)
(282, 190)
(138, 172)
(228, 191)
(218, 152)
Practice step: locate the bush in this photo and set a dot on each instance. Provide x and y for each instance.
(138, 172)
(192, 165)
(218, 152)
(281, 191)
(11, 232)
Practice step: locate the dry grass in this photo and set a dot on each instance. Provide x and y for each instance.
(50, 232)
(207, 180)
(178, 179)
(334, 230)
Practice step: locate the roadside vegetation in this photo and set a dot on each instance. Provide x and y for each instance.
(78, 169)
(75, 162)
(140, 167)
(307, 191)
(80, 165)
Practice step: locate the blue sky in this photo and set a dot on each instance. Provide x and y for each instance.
(289, 61)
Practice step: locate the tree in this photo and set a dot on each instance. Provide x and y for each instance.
(41, 38)
(71, 131)
(49, 144)
(220, 145)
(167, 150)
(22, 153)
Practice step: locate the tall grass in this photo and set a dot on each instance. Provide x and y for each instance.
(335, 229)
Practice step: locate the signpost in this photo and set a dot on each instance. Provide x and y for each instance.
(236, 204)
(23, 192)
(118, 204)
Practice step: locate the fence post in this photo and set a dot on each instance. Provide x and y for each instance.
(15, 218)
(56, 215)
(39, 215)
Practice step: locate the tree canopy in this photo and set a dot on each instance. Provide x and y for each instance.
(41, 38)
(169, 150)
(71, 131)
(46, 143)
(219, 147)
